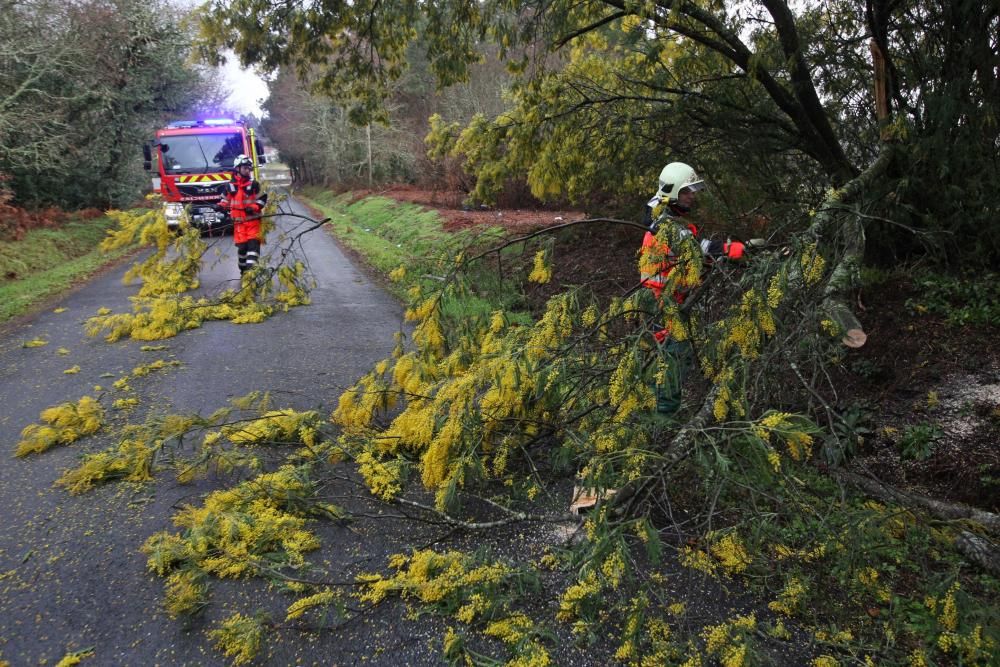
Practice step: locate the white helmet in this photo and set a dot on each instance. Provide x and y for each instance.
(241, 160)
(675, 177)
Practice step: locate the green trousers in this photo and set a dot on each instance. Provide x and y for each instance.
(679, 358)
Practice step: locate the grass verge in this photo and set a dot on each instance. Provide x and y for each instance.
(409, 244)
(47, 262)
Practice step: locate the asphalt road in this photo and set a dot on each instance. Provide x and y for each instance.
(71, 574)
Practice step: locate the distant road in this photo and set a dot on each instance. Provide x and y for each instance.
(276, 174)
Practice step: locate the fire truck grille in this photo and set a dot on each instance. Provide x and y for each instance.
(202, 190)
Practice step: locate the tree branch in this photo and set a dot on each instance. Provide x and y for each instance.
(593, 26)
(937, 508)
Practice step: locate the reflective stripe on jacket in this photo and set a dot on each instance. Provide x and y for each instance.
(657, 260)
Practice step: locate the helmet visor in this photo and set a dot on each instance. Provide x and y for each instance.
(696, 186)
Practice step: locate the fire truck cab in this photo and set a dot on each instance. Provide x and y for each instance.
(194, 161)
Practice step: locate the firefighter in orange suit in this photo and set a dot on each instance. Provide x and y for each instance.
(244, 201)
(679, 185)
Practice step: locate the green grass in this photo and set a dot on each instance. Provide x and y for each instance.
(386, 232)
(390, 234)
(46, 262)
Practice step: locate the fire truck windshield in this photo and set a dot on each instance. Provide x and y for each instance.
(199, 153)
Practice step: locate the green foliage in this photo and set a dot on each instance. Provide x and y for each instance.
(239, 637)
(473, 589)
(873, 276)
(505, 407)
(75, 112)
(972, 298)
(848, 433)
(917, 441)
(859, 571)
(484, 403)
(257, 527)
(318, 140)
(944, 189)
(603, 94)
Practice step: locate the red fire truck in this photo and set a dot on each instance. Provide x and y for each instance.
(194, 162)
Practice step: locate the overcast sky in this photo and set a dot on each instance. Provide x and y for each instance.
(247, 89)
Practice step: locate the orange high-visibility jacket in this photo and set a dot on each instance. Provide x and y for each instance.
(244, 203)
(657, 260)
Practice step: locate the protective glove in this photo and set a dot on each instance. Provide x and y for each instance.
(734, 250)
(715, 249)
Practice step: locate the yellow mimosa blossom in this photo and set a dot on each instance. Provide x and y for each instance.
(774, 459)
(613, 569)
(812, 264)
(698, 560)
(422, 311)
(238, 637)
(774, 292)
(63, 424)
(868, 577)
(511, 629)
(576, 596)
(731, 554)
(70, 659)
(382, 480)
(789, 601)
(541, 272)
(779, 631)
(302, 605)
(948, 617)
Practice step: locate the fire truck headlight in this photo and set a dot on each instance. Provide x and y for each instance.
(173, 212)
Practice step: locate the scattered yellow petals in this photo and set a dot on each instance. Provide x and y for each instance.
(74, 658)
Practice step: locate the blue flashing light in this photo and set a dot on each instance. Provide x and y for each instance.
(208, 122)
